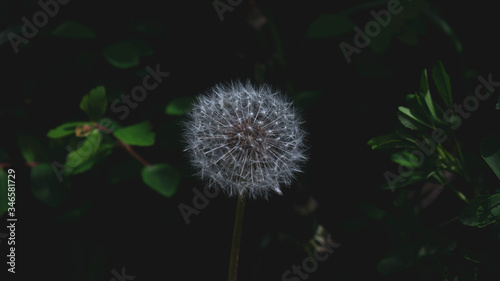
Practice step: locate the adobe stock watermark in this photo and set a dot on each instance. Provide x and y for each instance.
(200, 202)
(122, 105)
(139, 93)
(452, 116)
(381, 19)
(121, 277)
(221, 7)
(30, 28)
(310, 264)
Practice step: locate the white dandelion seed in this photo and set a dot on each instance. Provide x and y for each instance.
(245, 139)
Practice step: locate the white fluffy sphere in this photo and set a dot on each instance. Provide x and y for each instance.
(245, 139)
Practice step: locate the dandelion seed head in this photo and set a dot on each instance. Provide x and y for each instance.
(245, 139)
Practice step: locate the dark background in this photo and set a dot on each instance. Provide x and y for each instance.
(129, 225)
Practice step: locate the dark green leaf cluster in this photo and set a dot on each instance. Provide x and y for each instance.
(100, 135)
(430, 159)
(424, 145)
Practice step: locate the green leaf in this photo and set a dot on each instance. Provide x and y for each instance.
(101, 154)
(409, 120)
(423, 109)
(95, 103)
(490, 151)
(430, 106)
(73, 29)
(140, 134)
(443, 84)
(404, 134)
(424, 82)
(179, 106)
(4, 192)
(162, 178)
(468, 214)
(330, 25)
(406, 180)
(424, 90)
(78, 158)
(481, 211)
(32, 149)
(45, 186)
(65, 129)
(386, 141)
(406, 159)
(122, 55)
(489, 211)
(445, 28)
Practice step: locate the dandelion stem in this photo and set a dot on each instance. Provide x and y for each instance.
(235, 247)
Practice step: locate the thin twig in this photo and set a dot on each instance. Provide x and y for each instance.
(129, 149)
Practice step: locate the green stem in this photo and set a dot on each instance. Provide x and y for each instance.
(445, 182)
(448, 222)
(447, 158)
(458, 193)
(462, 159)
(235, 247)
